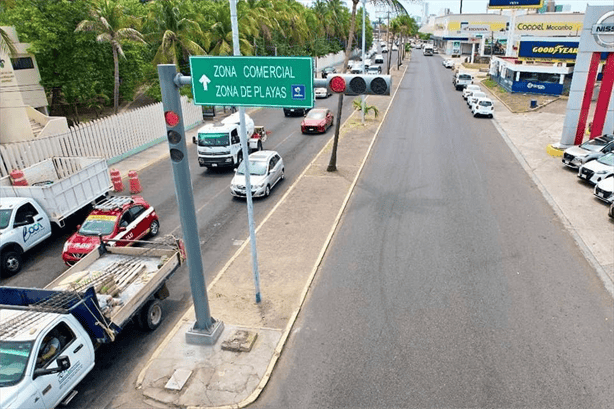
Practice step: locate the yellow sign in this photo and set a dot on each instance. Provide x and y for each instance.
(102, 217)
(493, 26)
(558, 26)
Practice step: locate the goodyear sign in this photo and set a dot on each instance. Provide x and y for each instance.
(564, 51)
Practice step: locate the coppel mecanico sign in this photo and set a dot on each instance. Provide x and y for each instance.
(564, 51)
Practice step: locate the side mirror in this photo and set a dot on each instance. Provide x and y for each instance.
(122, 228)
(63, 363)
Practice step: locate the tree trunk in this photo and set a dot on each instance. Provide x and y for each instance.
(332, 164)
(116, 87)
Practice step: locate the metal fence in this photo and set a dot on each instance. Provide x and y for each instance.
(112, 138)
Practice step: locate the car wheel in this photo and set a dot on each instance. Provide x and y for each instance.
(267, 191)
(11, 262)
(475, 115)
(283, 174)
(154, 228)
(150, 316)
(490, 116)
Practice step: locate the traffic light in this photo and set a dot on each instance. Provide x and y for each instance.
(356, 84)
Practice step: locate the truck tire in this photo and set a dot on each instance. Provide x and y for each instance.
(150, 316)
(10, 262)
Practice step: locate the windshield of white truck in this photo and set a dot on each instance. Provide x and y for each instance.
(5, 218)
(464, 77)
(96, 224)
(213, 139)
(13, 361)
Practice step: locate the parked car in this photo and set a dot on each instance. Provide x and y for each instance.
(395, 48)
(448, 63)
(322, 92)
(379, 59)
(384, 50)
(328, 70)
(318, 120)
(469, 89)
(117, 218)
(461, 80)
(596, 170)
(483, 107)
(266, 169)
(604, 190)
(374, 70)
(576, 156)
(474, 96)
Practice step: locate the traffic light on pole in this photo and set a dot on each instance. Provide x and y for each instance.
(356, 84)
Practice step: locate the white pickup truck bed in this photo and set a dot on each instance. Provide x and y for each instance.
(62, 185)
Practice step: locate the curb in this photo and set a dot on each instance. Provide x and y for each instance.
(552, 151)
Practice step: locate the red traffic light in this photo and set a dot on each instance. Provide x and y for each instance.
(337, 84)
(171, 118)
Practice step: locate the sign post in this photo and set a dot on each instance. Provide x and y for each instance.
(275, 82)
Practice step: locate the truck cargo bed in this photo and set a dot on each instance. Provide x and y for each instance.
(62, 185)
(124, 278)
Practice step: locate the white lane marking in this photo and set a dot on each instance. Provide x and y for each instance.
(275, 147)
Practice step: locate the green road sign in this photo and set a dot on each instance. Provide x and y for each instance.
(253, 81)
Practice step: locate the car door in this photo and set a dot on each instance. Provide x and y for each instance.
(140, 221)
(329, 118)
(125, 228)
(34, 226)
(73, 345)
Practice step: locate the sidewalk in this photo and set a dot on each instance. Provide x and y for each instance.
(183, 375)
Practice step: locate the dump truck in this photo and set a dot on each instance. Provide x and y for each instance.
(55, 189)
(48, 337)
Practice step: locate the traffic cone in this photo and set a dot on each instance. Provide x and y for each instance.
(116, 178)
(135, 185)
(18, 178)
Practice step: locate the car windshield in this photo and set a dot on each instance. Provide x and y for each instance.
(607, 159)
(98, 224)
(593, 145)
(213, 139)
(256, 168)
(13, 361)
(477, 95)
(464, 77)
(316, 114)
(485, 103)
(5, 218)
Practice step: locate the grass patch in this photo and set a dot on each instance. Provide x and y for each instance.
(475, 66)
(492, 85)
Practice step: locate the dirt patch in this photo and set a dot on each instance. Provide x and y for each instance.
(518, 102)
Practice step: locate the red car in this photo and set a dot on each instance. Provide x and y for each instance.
(318, 120)
(119, 217)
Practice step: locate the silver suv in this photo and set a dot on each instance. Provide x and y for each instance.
(576, 156)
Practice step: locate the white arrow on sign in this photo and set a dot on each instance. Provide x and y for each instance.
(204, 80)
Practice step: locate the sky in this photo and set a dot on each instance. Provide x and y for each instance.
(469, 6)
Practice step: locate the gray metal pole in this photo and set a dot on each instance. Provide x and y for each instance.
(206, 330)
(364, 3)
(245, 149)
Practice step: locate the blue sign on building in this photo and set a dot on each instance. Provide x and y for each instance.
(548, 50)
(535, 87)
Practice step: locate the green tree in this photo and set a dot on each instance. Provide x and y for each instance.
(112, 26)
(6, 44)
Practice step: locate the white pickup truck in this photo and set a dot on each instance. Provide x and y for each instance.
(57, 188)
(218, 145)
(48, 337)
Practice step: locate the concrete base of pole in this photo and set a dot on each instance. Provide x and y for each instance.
(204, 337)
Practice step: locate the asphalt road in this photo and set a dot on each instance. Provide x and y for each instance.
(450, 281)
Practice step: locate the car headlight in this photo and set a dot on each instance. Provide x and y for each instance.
(65, 247)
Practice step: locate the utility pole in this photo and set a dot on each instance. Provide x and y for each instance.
(461, 7)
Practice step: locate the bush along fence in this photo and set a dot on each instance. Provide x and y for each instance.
(113, 138)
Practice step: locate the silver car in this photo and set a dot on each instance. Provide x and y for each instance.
(576, 156)
(266, 168)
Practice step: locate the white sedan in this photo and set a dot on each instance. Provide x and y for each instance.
(595, 171)
(266, 168)
(322, 92)
(474, 96)
(469, 89)
(483, 107)
(448, 63)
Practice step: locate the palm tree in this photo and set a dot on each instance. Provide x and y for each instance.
(6, 44)
(397, 6)
(175, 32)
(111, 25)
